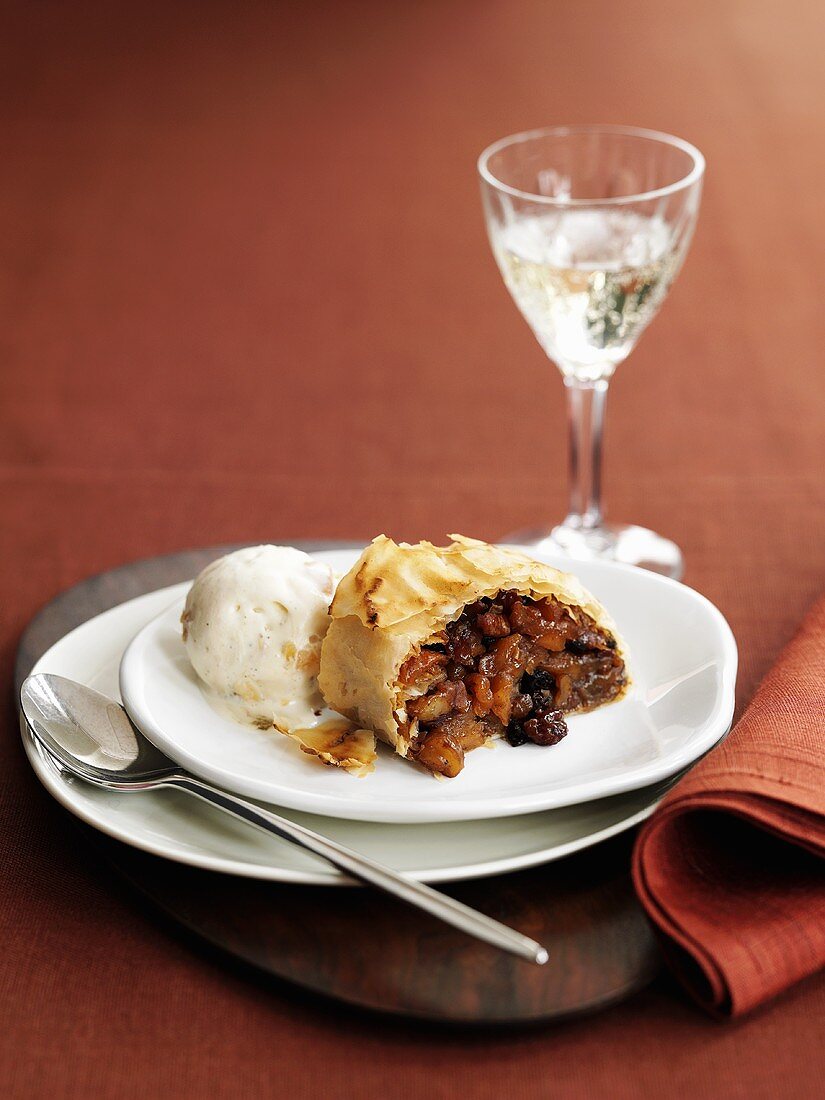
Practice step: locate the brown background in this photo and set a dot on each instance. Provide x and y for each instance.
(246, 295)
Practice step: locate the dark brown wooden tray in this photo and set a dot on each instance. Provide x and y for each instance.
(364, 948)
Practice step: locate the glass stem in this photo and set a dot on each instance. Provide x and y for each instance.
(585, 414)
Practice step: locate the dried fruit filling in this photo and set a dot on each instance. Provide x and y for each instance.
(508, 665)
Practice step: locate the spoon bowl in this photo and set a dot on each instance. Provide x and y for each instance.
(89, 733)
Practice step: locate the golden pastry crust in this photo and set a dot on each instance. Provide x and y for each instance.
(397, 596)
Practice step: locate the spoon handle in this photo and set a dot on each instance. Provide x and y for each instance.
(358, 866)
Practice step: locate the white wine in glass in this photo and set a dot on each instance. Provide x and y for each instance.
(589, 226)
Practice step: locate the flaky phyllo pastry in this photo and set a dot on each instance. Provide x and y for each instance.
(438, 649)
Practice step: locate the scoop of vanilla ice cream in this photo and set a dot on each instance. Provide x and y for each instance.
(253, 625)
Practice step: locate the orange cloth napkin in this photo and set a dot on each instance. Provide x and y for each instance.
(730, 868)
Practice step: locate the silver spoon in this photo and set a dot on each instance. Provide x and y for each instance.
(93, 738)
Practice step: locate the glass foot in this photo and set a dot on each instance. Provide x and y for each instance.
(612, 542)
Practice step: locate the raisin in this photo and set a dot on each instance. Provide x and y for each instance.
(540, 680)
(515, 733)
(436, 647)
(546, 727)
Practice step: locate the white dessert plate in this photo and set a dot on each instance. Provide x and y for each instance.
(683, 662)
(173, 825)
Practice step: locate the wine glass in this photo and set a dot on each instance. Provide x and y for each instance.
(589, 226)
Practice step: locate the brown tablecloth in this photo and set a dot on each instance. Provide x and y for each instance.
(246, 295)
